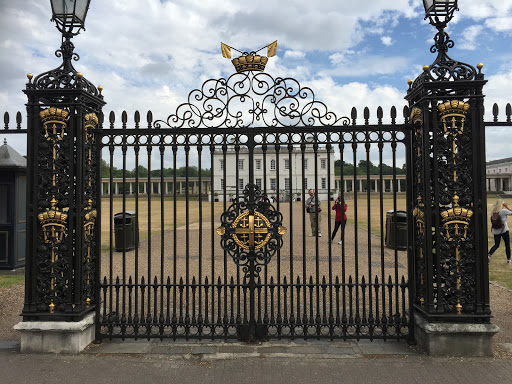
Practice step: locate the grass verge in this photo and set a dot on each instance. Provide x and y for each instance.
(7, 281)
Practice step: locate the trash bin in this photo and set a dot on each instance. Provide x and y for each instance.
(400, 237)
(126, 231)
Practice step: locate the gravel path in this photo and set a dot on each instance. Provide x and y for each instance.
(11, 299)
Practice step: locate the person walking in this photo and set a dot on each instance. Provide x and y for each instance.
(339, 220)
(313, 208)
(502, 210)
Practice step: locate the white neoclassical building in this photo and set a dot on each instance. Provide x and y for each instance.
(499, 175)
(277, 173)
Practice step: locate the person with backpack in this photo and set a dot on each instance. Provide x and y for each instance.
(499, 228)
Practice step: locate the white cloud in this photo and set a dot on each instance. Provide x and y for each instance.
(365, 65)
(470, 36)
(294, 54)
(386, 40)
(500, 24)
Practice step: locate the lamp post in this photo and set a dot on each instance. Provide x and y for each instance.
(439, 13)
(69, 17)
(63, 110)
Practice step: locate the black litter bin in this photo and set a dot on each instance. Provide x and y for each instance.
(126, 231)
(400, 236)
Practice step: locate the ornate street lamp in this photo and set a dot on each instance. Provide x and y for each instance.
(69, 17)
(440, 12)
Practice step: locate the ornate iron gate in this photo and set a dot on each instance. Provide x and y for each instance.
(231, 255)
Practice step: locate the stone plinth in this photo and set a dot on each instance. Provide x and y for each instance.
(454, 339)
(56, 336)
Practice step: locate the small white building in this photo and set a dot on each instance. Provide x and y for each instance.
(499, 175)
(275, 173)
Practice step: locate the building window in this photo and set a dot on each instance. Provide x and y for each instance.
(286, 163)
(273, 184)
(221, 183)
(241, 184)
(221, 165)
(323, 163)
(258, 164)
(324, 183)
(240, 164)
(306, 183)
(272, 165)
(258, 183)
(287, 184)
(305, 164)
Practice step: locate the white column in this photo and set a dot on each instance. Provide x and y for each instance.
(181, 187)
(398, 181)
(131, 188)
(360, 185)
(344, 185)
(145, 188)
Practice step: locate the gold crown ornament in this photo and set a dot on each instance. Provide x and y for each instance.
(453, 108)
(249, 61)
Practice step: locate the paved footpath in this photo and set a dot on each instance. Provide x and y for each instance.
(274, 362)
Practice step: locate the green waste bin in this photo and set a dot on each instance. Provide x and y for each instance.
(396, 239)
(126, 230)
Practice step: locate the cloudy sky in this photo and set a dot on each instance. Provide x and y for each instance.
(149, 54)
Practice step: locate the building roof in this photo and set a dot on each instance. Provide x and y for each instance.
(499, 161)
(9, 158)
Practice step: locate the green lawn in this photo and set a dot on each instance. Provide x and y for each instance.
(8, 280)
(499, 271)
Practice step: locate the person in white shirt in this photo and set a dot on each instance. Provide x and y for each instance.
(503, 210)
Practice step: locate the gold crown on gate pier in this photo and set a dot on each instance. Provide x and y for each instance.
(249, 61)
(91, 119)
(453, 107)
(53, 114)
(416, 115)
(458, 214)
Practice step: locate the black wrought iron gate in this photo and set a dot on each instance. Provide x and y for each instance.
(209, 235)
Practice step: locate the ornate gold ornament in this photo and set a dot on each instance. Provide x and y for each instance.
(251, 230)
(54, 224)
(416, 115)
(90, 123)
(453, 115)
(249, 61)
(419, 215)
(53, 221)
(456, 221)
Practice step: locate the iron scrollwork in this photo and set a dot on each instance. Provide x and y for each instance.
(91, 122)
(65, 76)
(457, 253)
(251, 231)
(251, 99)
(53, 206)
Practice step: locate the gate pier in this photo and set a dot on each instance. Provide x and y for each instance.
(63, 109)
(451, 293)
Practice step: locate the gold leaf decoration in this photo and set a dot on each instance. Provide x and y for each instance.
(226, 50)
(272, 49)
